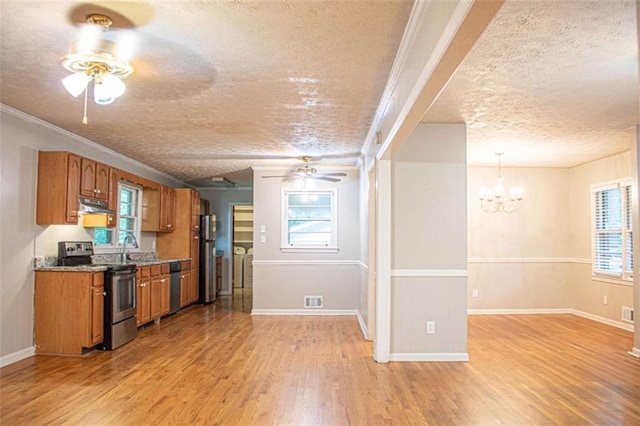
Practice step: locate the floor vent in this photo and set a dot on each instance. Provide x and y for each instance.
(313, 301)
(627, 314)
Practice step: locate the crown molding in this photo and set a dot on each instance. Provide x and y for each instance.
(407, 41)
(30, 118)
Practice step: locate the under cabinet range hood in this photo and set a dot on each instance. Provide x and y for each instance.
(89, 205)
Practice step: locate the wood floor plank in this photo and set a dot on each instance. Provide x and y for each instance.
(216, 364)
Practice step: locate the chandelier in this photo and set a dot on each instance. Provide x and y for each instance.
(493, 200)
(94, 59)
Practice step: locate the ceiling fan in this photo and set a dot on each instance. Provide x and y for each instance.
(308, 172)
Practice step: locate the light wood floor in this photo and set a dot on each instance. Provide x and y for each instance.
(218, 365)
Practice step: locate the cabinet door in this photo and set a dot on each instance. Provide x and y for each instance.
(195, 285)
(156, 296)
(88, 178)
(185, 288)
(145, 300)
(97, 315)
(166, 295)
(73, 188)
(195, 211)
(195, 251)
(101, 187)
(167, 209)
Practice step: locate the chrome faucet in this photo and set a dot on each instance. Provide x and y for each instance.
(134, 244)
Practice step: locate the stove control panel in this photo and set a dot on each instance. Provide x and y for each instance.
(75, 248)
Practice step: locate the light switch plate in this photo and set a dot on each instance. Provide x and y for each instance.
(263, 228)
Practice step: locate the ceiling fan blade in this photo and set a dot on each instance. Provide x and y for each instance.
(333, 174)
(325, 178)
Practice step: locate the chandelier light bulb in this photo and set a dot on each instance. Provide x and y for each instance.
(113, 85)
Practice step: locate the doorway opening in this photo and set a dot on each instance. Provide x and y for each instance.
(242, 244)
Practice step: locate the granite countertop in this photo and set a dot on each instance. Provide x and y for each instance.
(102, 267)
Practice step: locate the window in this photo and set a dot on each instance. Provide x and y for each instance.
(128, 216)
(310, 220)
(612, 230)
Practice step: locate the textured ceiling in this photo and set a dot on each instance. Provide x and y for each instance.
(217, 84)
(549, 83)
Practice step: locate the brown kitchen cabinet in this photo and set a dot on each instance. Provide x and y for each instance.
(143, 307)
(69, 312)
(94, 181)
(167, 209)
(195, 211)
(58, 188)
(185, 283)
(184, 242)
(114, 179)
(156, 296)
(165, 296)
(159, 209)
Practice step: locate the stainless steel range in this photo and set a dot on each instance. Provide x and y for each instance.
(120, 292)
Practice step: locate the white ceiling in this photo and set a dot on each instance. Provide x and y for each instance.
(217, 84)
(549, 83)
(220, 86)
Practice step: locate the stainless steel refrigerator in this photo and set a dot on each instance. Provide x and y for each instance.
(207, 259)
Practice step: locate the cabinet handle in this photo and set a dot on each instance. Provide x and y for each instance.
(182, 276)
(104, 293)
(162, 281)
(196, 237)
(169, 226)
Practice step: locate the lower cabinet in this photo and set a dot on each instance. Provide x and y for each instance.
(195, 284)
(165, 296)
(57, 294)
(185, 288)
(143, 309)
(153, 293)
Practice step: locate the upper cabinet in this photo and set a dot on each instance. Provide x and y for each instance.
(95, 180)
(159, 209)
(195, 211)
(58, 188)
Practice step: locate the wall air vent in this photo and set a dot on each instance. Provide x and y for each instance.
(627, 314)
(313, 302)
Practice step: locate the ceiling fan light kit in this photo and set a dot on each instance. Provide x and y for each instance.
(96, 61)
(494, 200)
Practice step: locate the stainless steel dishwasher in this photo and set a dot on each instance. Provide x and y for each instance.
(174, 299)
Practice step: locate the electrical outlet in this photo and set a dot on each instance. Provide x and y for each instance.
(604, 299)
(474, 293)
(431, 327)
(153, 245)
(263, 238)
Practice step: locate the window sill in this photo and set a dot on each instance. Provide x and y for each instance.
(612, 280)
(309, 249)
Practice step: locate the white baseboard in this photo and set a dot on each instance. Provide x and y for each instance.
(304, 312)
(519, 311)
(603, 320)
(17, 356)
(363, 325)
(618, 324)
(429, 357)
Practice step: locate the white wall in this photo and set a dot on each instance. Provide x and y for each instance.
(588, 292)
(281, 280)
(21, 239)
(429, 245)
(539, 258)
(519, 260)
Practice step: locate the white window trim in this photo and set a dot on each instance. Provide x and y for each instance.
(115, 247)
(624, 277)
(309, 248)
